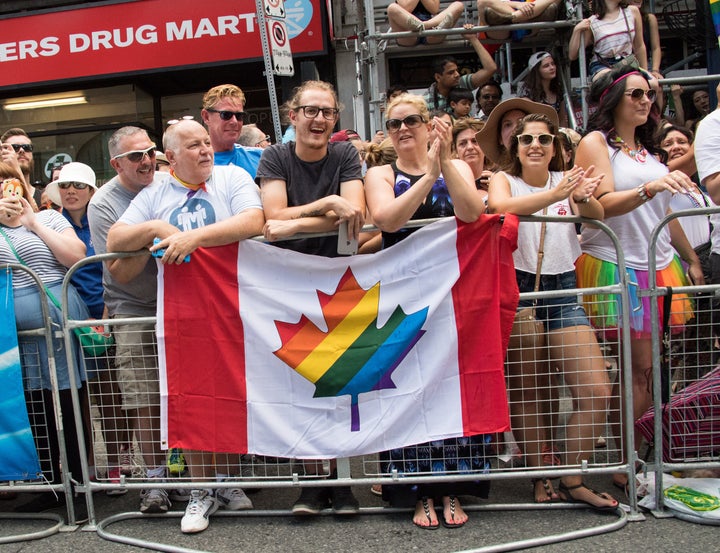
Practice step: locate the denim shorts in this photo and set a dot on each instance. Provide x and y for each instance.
(555, 313)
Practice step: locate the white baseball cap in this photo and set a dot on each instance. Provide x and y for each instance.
(536, 58)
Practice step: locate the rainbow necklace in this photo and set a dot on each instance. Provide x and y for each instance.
(639, 154)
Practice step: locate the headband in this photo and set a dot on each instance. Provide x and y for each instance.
(616, 81)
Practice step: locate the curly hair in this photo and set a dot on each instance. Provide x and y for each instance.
(294, 102)
(512, 165)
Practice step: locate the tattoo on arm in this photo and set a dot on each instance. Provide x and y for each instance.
(313, 213)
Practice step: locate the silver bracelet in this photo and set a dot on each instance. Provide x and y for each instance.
(642, 193)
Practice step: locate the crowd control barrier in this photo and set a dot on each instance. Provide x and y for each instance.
(258, 472)
(42, 424)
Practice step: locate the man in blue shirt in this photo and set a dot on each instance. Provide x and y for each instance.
(224, 114)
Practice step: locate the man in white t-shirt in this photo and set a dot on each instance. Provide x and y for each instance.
(196, 205)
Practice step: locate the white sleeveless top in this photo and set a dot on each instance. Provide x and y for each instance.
(634, 228)
(611, 38)
(561, 243)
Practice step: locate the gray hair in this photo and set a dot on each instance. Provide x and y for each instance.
(118, 135)
(250, 135)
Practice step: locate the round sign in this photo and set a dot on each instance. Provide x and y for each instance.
(56, 161)
(279, 34)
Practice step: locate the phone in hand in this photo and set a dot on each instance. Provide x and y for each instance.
(346, 246)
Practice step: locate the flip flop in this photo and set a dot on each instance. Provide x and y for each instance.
(426, 508)
(568, 498)
(549, 492)
(447, 524)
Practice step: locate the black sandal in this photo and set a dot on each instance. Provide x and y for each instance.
(426, 508)
(568, 497)
(549, 492)
(453, 524)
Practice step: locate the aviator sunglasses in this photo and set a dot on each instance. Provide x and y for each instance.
(637, 94)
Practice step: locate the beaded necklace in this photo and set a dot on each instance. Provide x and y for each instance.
(639, 154)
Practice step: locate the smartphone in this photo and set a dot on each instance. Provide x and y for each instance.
(345, 245)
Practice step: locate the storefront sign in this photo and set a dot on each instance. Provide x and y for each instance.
(141, 36)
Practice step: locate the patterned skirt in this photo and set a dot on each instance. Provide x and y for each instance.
(450, 456)
(605, 311)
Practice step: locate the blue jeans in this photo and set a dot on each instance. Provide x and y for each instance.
(555, 313)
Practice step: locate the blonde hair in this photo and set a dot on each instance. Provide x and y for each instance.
(380, 154)
(294, 102)
(413, 100)
(220, 92)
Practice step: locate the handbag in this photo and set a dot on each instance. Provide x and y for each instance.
(93, 339)
(528, 331)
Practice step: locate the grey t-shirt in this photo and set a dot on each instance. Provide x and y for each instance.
(139, 296)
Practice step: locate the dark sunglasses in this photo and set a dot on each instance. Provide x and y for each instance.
(411, 122)
(26, 147)
(136, 156)
(638, 93)
(528, 139)
(227, 115)
(76, 185)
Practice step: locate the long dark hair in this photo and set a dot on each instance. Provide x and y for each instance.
(532, 85)
(512, 165)
(608, 90)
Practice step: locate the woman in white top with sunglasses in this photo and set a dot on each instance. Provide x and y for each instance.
(425, 183)
(533, 181)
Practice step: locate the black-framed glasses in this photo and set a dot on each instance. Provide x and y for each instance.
(637, 94)
(267, 139)
(26, 147)
(75, 184)
(411, 122)
(136, 156)
(226, 115)
(543, 139)
(172, 122)
(311, 112)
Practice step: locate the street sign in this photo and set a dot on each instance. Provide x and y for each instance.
(280, 47)
(274, 8)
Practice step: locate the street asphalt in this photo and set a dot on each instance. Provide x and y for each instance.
(506, 517)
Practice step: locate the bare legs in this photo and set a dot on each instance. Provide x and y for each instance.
(402, 20)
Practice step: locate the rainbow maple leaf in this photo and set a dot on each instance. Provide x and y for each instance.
(354, 356)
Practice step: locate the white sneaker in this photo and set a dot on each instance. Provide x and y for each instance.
(154, 500)
(233, 499)
(198, 511)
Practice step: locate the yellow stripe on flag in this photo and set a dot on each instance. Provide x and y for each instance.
(341, 337)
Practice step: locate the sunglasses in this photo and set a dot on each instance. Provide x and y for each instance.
(267, 139)
(543, 139)
(76, 185)
(637, 94)
(172, 122)
(411, 122)
(228, 115)
(26, 147)
(136, 156)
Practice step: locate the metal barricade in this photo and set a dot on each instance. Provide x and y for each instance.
(46, 421)
(258, 472)
(687, 434)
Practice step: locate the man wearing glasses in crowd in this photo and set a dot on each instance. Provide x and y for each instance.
(312, 185)
(224, 114)
(23, 158)
(130, 291)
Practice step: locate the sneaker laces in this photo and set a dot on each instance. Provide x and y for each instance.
(195, 505)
